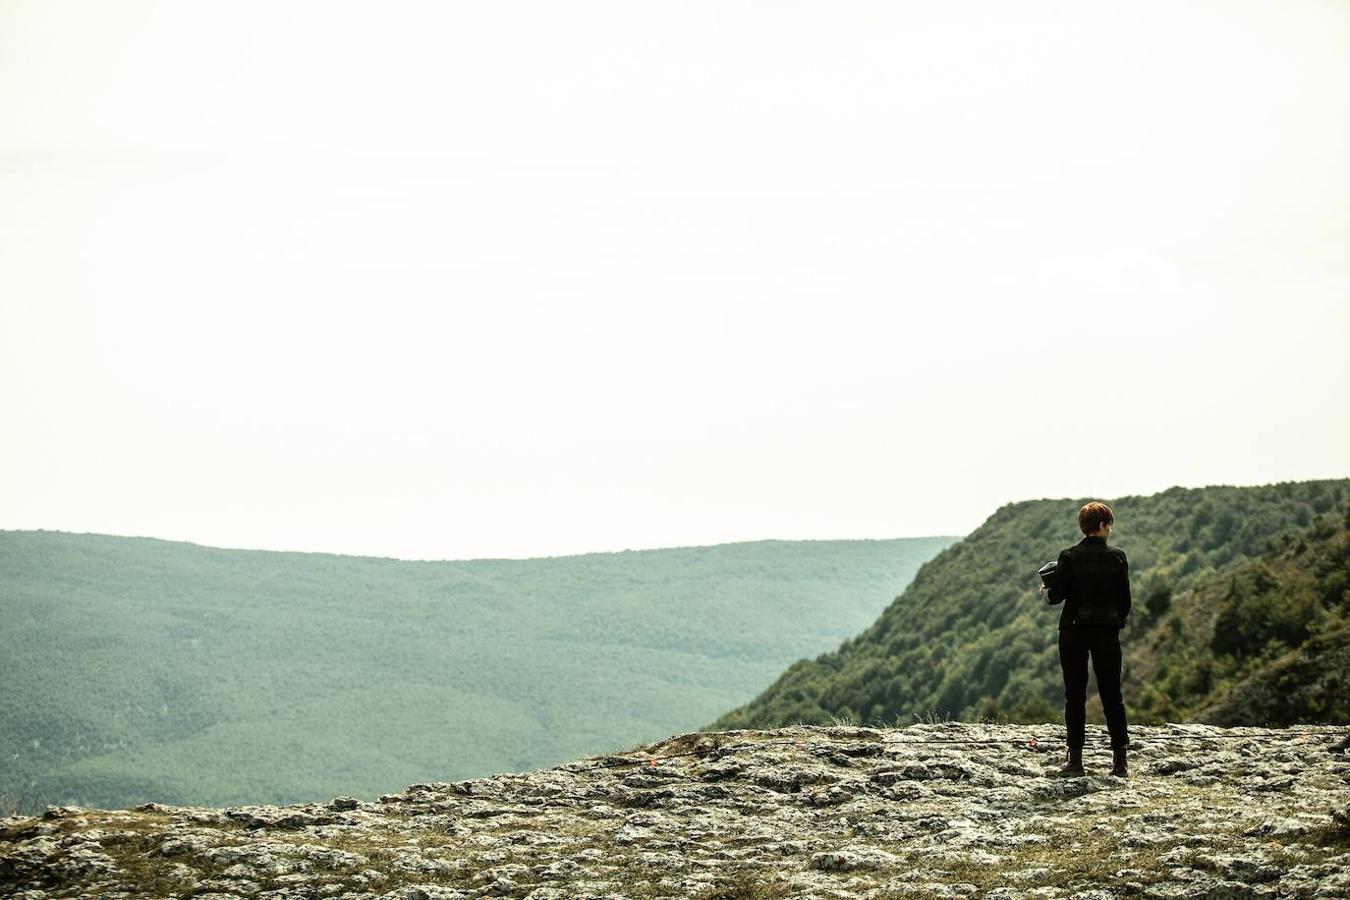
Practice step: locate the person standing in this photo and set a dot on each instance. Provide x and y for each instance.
(1092, 579)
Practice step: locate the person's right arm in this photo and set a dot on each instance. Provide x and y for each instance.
(1123, 609)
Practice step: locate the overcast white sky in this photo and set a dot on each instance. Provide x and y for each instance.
(463, 279)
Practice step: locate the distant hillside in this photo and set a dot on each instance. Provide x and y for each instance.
(971, 638)
(137, 669)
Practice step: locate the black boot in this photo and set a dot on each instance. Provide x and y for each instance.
(1118, 762)
(1074, 766)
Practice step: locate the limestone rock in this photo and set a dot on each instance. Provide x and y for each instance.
(932, 810)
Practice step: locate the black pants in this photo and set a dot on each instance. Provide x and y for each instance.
(1103, 644)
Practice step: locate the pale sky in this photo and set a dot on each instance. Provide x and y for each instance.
(465, 279)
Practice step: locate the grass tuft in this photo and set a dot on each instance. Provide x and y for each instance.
(745, 885)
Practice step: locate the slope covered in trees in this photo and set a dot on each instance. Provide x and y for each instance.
(137, 669)
(1267, 641)
(1214, 580)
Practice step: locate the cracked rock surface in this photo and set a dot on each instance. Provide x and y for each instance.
(932, 810)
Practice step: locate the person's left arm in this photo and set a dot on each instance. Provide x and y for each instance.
(1062, 583)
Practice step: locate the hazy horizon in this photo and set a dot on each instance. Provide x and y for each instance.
(825, 540)
(467, 281)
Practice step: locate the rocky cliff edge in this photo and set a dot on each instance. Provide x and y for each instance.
(931, 810)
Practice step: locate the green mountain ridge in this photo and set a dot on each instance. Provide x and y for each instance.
(138, 669)
(1212, 581)
(1267, 640)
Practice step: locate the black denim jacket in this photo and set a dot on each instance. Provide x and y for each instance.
(1093, 580)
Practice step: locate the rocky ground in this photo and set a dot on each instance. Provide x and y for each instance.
(932, 810)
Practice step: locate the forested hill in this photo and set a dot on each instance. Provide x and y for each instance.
(137, 669)
(1222, 595)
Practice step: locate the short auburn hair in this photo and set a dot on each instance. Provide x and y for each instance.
(1093, 516)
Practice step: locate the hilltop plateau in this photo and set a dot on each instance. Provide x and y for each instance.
(941, 809)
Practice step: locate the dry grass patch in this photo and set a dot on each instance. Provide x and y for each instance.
(745, 885)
